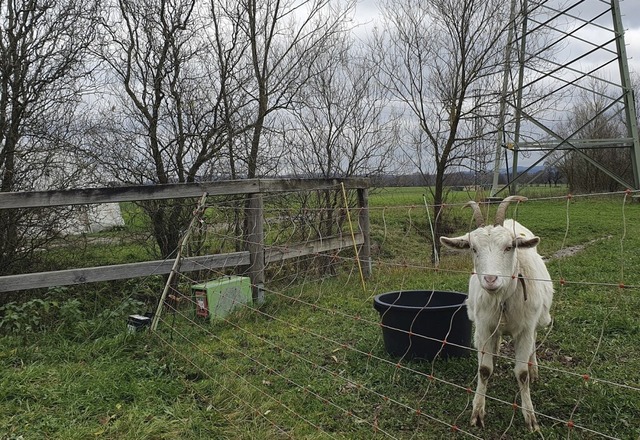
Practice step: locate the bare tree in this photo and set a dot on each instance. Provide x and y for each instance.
(436, 55)
(43, 59)
(168, 118)
(194, 85)
(590, 119)
(227, 51)
(553, 172)
(285, 38)
(341, 127)
(278, 43)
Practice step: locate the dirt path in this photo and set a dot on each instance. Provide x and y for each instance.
(573, 250)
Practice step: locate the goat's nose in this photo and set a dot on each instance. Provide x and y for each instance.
(490, 279)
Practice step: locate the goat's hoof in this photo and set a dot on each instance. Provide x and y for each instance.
(532, 424)
(534, 427)
(533, 373)
(477, 419)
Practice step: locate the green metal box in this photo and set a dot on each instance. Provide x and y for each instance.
(216, 298)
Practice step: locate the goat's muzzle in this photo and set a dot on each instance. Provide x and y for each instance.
(490, 283)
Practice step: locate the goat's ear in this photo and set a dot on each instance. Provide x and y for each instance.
(526, 243)
(456, 242)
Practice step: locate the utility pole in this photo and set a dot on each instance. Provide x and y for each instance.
(596, 25)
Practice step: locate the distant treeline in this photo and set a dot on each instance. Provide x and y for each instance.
(550, 176)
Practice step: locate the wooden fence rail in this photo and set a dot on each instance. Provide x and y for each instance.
(254, 259)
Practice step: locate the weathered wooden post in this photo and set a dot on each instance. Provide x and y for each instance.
(363, 220)
(255, 246)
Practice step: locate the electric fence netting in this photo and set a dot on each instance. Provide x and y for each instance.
(303, 355)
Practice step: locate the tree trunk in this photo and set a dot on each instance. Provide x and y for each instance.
(438, 200)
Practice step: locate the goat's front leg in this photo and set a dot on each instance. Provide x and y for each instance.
(524, 346)
(487, 341)
(533, 362)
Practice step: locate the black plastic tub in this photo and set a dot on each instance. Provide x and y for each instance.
(423, 324)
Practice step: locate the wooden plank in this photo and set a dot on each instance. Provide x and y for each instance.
(292, 185)
(70, 277)
(118, 271)
(274, 254)
(37, 199)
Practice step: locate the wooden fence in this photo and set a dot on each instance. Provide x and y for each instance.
(254, 259)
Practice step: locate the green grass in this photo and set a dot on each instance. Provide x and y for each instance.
(310, 363)
(407, 196)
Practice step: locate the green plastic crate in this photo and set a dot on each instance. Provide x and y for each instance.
(217, 298)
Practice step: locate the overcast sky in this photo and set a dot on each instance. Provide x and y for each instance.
(367, 11)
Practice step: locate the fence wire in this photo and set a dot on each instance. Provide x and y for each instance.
(314, 351)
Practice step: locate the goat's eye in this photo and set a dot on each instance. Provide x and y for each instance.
(508, 249)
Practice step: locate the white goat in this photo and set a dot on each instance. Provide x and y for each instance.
(510, 292)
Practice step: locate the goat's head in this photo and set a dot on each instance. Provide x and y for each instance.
(493, 247)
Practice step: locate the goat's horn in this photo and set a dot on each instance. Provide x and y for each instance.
(502, 208)
(477, 214)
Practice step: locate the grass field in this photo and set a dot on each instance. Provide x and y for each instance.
(310, 363)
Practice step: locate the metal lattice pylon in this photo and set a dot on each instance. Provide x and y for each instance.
(538, 91)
